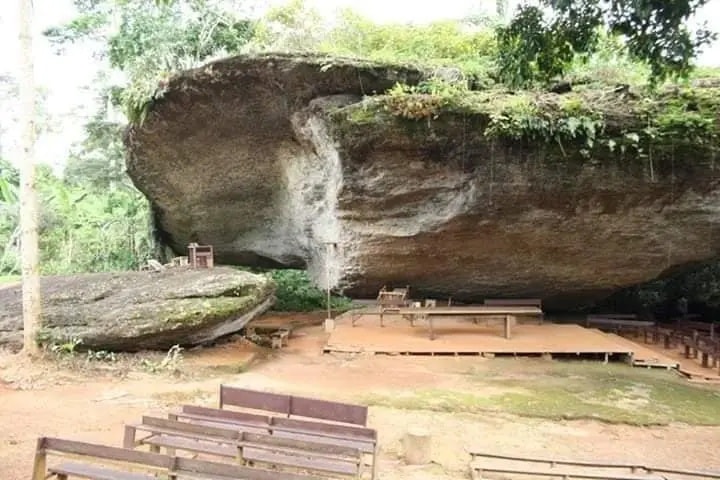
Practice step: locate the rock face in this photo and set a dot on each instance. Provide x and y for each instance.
(267, 158)
(132, 311)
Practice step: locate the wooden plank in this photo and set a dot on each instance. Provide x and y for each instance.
(244, 417)
(296, 461)
(619, 322)
(326, 429)
(95, 472)
(525, 302)
(233, 472)
(469, 311)
(72, 447)
(328, 410)
(254, 400)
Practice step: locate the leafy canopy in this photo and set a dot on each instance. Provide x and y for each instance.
(543, 39)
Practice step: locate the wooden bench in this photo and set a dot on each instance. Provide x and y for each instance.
(496, 463)
(99, 462)
(364, 439)
(617, 322)
(679, 331)
(517, 302)
(342, 424)
(228, 441)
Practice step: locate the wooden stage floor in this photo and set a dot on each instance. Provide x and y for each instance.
(462, 337)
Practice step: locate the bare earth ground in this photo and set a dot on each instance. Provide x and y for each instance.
(93, 403)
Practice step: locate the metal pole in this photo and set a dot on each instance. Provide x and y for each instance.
(327, 276)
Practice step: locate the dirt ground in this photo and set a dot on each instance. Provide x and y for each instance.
(93, 404)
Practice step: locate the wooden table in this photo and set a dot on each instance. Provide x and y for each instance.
(508, 313)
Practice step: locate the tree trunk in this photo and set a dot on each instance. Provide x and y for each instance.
(29, 250)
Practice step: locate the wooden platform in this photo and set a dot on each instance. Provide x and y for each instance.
(462, 337)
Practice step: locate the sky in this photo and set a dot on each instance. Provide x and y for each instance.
(66, 77)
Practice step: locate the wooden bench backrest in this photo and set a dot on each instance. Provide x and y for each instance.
(694, 325)
(103, 452)
(155, 461)
(226, 414)
(327, 410)
(613, 316)
(254, 400)
(293, 405)
(361, 433)
(513, 302)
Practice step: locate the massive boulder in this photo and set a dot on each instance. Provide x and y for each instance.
(268, 158)
(133, 311)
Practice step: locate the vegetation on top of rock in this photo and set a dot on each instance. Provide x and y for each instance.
(154, 41)
(588, 121)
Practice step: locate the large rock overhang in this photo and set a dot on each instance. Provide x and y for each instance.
(269, 157)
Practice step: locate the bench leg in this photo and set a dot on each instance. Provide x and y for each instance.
(129, 437)
(40, 461)
(376, 456)
(704, 360)
(430, 322)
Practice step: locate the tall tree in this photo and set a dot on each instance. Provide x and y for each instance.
(543, 38)
(32, 320)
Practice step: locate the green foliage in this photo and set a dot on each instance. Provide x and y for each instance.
(154, 40)
(294, 26)
(523, 119)
(539, 47)
(532, 48)
(423, 101)
(441, 43)
(296, 293)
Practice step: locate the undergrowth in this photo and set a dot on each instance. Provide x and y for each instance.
(296, 293)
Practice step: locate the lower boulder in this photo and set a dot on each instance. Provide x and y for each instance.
(131, 311)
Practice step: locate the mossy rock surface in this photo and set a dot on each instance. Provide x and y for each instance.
(131, 311)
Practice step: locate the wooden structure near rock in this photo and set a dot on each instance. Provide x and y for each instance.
(200, 256)
(417, 445)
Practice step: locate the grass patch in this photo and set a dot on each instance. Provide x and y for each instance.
(572, 391)
(181, 397)
(9, 279)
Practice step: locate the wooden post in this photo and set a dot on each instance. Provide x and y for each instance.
(417, 446)
(129, 437)
(508, 320)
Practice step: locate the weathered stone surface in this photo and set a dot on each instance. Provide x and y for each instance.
(132, 311)
(267, 158)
